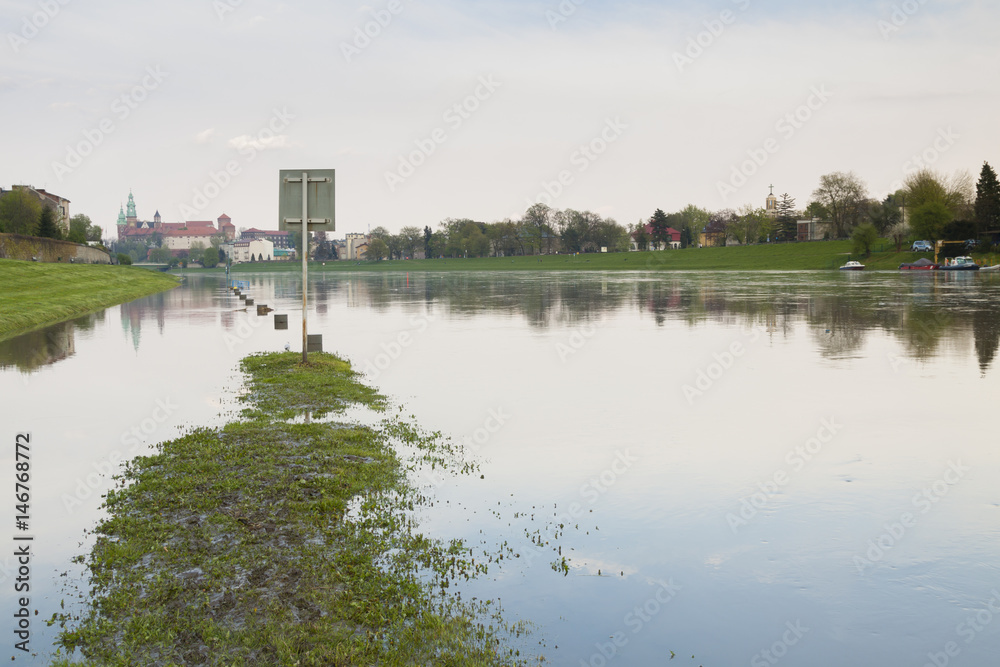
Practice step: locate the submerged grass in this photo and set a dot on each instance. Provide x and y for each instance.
(268, 542)
(37, 294)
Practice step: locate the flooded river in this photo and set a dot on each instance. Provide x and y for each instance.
(750, 469)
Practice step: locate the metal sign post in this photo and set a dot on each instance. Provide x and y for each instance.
(317, 197)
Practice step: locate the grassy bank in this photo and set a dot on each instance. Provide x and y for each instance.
(279, 542)
(818, 255)
(36, 294)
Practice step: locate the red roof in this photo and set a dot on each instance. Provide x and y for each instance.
(675, 235)
(196, 231)
(199, 223)
(224, 217)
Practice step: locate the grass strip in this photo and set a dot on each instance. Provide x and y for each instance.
(36, 294)
(269, 542)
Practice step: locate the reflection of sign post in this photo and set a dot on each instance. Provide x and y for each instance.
(306, 197)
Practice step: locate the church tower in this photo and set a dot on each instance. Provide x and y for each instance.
(771, 204)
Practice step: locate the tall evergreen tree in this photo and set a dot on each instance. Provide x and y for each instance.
(659, 224)
(47, 227)
(786, 228)
(987, 200)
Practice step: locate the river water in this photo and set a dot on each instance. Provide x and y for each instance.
(750, 469)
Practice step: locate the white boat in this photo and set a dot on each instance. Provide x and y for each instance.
(995, 267)
(853, 266)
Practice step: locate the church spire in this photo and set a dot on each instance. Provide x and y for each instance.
(131, 205)
(121, 216)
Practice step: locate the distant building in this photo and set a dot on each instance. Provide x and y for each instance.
(58, 204)
(771, 205)
(249, 250)
(279, 239)
(352, 244)
(177, 236)
(674, 242)
(812, 230)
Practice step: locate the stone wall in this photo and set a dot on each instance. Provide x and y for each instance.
(18, 246)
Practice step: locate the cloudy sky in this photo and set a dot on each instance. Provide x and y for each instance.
(439, 108)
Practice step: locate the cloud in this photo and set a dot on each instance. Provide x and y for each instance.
(260, 143)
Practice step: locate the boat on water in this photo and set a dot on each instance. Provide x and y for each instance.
(922, 264)
(853, 266)
(995, 267)
(960, 264)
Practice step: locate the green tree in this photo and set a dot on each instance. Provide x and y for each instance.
(987, 205)
(79, 229)
(659, 234)
(47, 227)
(377, 249)
(210, 257)
(926, 186)
(845, 197)
(863, 238)
(640, 235)
(428, 235)
(160, 255)
(123, 258)
(19, 213)
(785, 224)
(691, 220)
(928, 220)
(412, 240)
(816, 211)
(886, 214)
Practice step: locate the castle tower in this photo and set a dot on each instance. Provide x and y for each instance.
(131, 217)
(156, 219)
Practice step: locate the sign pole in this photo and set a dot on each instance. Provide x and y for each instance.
(305, 266)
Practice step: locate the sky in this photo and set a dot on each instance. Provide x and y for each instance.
(435, 109)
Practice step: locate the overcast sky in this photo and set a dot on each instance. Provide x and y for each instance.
(473, 109)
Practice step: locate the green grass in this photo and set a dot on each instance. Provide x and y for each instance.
(36, 294)
(277, 543)
(818, 255)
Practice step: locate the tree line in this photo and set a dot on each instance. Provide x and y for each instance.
(22, 213)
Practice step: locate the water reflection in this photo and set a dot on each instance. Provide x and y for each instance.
(923, 312)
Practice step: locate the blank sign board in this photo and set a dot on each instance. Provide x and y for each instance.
(320, 200)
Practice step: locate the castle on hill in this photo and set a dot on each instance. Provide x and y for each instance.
(176, 236)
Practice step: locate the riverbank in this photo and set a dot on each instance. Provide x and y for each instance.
(37, 294)
(815, 256)
(271, 541)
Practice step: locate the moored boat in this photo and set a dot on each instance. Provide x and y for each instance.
(853, 266)
(922, 264)
(995, 267)
(960, 264)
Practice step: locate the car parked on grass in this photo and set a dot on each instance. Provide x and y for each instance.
(922, 246)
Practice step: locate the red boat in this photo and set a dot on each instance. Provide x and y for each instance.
(922, 264)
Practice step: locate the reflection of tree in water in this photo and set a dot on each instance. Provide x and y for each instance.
(35, 349)
(986, 332)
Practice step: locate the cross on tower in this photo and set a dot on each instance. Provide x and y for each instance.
(772, 189)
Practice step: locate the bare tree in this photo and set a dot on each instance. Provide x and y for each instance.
(845, 198)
